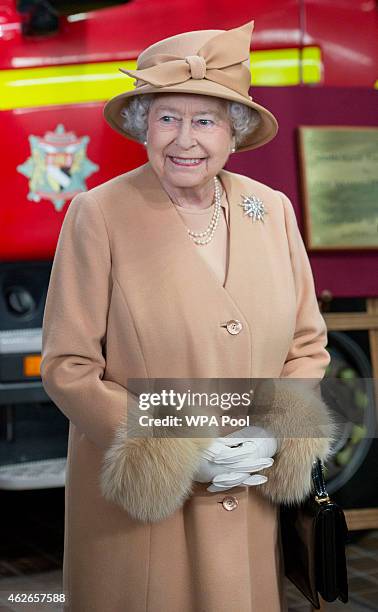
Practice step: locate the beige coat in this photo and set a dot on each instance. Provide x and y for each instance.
(129, 297)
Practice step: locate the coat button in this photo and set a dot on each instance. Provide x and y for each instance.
(234, 326)
(230, 502)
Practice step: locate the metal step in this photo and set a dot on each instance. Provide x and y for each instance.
(44, 474)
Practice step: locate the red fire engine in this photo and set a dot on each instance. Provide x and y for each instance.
(58, 65)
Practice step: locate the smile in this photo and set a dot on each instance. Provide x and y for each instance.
(186, 161)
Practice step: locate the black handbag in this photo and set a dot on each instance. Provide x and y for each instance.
(313, 536)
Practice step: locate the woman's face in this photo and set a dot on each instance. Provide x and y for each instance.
(189, 138)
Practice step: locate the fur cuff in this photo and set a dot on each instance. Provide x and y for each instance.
(305, 429)
(150, 477)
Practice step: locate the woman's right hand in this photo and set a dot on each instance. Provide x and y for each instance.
(227, 466)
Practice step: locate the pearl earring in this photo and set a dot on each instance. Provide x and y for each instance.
(145, 142)
(233, 150)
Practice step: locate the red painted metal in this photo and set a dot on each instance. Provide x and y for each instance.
(345, 30)
(123, 31)
(347, 33)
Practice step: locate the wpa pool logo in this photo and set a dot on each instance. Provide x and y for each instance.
(57, 167)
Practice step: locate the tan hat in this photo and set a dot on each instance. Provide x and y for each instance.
(206, 62)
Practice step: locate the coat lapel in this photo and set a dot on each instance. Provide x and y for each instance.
(165, 232)
(247, 240)
(260, 277)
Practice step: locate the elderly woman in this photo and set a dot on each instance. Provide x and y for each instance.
(182, 270)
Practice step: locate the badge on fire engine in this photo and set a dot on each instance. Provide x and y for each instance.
(57, 167)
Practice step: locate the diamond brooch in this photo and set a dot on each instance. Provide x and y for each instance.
(253, 207)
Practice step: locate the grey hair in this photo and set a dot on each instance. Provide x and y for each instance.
(244, 120)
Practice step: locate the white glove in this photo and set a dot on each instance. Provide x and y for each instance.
(226, 481)
(229, 461)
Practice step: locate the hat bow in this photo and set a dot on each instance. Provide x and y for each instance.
(219, 60)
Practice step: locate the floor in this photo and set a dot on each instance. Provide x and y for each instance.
(32, 550)
(362, 562)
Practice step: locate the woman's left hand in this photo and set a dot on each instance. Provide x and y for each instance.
(228, 480)
(260, 442)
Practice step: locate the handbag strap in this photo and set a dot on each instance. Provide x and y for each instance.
(321, 495)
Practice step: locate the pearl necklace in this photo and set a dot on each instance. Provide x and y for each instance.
(205, 237)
